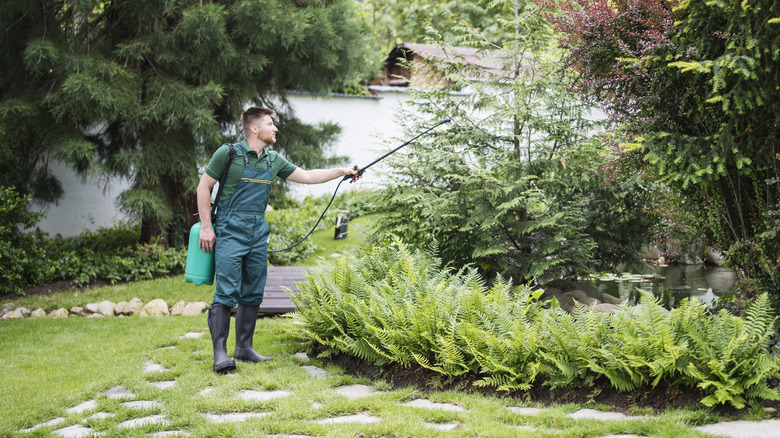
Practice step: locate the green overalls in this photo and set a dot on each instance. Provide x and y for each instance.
(241, 250)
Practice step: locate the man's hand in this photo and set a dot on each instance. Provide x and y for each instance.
(207, 239)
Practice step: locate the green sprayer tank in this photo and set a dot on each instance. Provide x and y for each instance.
(200, 264)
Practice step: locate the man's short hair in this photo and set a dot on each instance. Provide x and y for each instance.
(253, 114)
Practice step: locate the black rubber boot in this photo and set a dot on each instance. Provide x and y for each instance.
(219, 326)
(246, 317)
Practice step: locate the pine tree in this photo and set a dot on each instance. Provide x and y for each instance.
(146, 89)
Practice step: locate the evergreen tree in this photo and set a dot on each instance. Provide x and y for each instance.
(146, 89)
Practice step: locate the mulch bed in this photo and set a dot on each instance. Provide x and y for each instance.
(422, 379)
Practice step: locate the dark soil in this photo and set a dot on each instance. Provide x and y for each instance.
(50, 288)
(658, 398)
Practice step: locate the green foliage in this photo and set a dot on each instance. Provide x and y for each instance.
(147, 89)
(394, 304)
(701, 93)
(20, 251)
(520, 182)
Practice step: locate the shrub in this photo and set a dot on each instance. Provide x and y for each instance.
(20, 252)
(395, 304)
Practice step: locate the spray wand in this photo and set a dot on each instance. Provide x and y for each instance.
(357, 175)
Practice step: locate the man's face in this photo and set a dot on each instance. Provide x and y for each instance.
(265, 130)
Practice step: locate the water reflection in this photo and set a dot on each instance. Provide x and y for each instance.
(672, 283)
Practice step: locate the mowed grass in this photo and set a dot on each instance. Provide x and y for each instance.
(54, 364)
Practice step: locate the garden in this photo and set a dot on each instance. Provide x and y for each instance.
(603, 128)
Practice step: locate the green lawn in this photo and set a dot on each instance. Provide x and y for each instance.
(54, 364)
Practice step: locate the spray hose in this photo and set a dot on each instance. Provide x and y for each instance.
(353, 178)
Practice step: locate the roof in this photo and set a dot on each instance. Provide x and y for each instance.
(467, 55)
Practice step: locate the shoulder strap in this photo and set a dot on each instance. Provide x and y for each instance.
(222, 180)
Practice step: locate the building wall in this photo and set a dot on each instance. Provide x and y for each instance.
(366, 126)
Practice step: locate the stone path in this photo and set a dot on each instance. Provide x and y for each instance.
(151, 414)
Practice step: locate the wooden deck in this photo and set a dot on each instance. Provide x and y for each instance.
(280, 278)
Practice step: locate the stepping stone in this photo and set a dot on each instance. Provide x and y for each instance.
(150, 367)
(99, 416)
(316, 405)
(744, 429)
(49, 423)
(303, 357)
(206, 391)
(443, 427)
(234, 417)
(358, 418)
(76, 431)
(170, 347)
(192, 335)
(119, 392)
(354, 392)
(525, 411)
(316, 372)
(623, 436)
(592, 414)
(427, 404)
(144, 421)
(142, 404)
(164, 385)
(170, 433)
(262, 395)
(82, 407)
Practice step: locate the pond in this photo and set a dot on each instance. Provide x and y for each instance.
(670, 283)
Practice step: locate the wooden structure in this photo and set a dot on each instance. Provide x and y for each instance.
(280, 278)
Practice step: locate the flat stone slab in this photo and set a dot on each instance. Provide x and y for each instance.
(354, 392)
(144, 421)
(170, 433)
(623, 436)
(262, 395)
(316, 372)
(442, 427)
(82, 407)
(234, 417)
(358, 418)
(142, 404)
(99, 416)
(150, 367)
(76, 431)
(49, 423)
(427, 404)
(167, 384)
(206, 391)
(192, 335)
(592, 414)
(744, 429)
(303, 357)
(119, 392)
(525, 411)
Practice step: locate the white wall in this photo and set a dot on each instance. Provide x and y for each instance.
(365, 124)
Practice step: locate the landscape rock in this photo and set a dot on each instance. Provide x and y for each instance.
(607, 298)
(156, 307)
(13, 314)
(106, 308)
(92, 307)
(563, 285)
(9, 306)
(78, 311)
(38, 313)
(589, 289)
(4, 312)
(120, 308)
(134, 307)
(178, 308)
(549, 293)
(606, 308)
(59, 313)
(25, 312)
(581, 296)
(193, 309)
(95, 315)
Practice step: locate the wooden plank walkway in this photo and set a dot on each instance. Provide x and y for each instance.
(275, 299)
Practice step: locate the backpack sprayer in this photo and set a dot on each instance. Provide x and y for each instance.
(200, 265)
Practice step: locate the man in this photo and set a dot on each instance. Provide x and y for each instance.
(240, 238)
